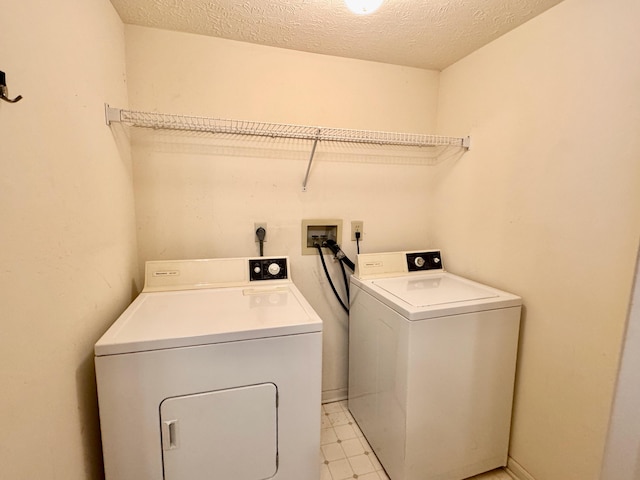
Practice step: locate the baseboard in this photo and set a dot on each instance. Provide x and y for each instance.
(336, 395)
(516, 471)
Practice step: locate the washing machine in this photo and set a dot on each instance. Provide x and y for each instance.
(432, 359)
(213, 372)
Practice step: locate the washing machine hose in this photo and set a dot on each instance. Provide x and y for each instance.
(333, 287)
(340, 255)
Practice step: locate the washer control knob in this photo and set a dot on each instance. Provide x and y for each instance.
(419, 261)
(257, 269)
(274, 268)
(436, 260)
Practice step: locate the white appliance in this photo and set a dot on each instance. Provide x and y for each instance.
(213, 372)
(432, 359)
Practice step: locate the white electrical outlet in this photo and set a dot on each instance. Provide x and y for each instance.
(256, 226)
(357, 226)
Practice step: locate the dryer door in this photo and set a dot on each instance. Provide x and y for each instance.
(222, 434)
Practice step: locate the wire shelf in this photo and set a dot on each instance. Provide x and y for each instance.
(277, 130)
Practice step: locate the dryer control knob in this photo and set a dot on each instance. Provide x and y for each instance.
(256, 269)
(419, 261)
(274, 269)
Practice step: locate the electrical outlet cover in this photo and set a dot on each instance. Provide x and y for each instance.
(256, 226)
(357, 226)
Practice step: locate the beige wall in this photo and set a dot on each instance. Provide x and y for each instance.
(67, 241)
(547, 205)
(197, 197)
(622, 453)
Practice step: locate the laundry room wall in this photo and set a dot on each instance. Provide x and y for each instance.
(622, 453)
(198, 198)
(546, 204)
(68, 262)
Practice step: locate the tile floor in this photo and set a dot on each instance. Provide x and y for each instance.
(345, 453)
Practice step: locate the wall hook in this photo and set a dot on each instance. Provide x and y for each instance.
(4, 92)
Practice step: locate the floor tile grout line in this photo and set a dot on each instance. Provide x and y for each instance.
(364, 467)
(341, 407)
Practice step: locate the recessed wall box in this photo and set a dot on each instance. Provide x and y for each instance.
(319, 231)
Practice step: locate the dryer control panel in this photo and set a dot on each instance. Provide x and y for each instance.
(419, 261)
(268, 269)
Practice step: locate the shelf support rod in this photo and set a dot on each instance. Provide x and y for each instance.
(313, 151)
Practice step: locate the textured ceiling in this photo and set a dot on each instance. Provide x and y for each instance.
(430, 34)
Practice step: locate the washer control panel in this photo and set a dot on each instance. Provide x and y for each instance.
(268, 269)
(419, 261)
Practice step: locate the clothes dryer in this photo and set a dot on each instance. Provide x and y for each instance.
(432, 359)
(213, 372)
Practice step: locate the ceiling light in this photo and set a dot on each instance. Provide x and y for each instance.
(363, 7)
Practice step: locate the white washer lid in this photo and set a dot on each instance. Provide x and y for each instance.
(434, 289)
(431, 295)
(170, 319)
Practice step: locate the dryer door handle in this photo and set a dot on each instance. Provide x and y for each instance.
(170, 435)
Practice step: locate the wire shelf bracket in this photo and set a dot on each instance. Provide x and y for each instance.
(278, 130)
